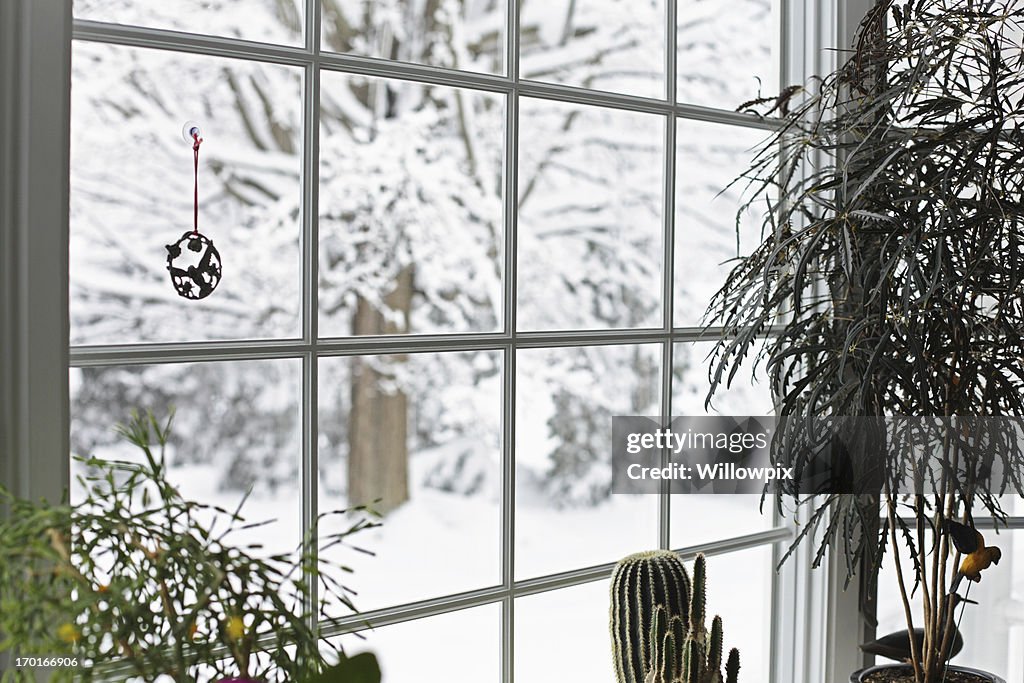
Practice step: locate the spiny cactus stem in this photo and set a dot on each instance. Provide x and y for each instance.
(715, 645)
(732, 666)
(698, 597)
(694, 673)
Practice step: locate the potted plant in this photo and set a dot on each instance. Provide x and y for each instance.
(891, 267)
(137, 582)
(659, 623)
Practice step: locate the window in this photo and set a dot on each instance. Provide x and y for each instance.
(457, 238)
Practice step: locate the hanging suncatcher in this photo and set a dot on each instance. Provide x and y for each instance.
(193, 261)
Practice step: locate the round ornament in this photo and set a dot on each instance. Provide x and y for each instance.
(194, 265)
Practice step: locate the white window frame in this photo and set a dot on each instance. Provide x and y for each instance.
(35, 77)
(818, 620)
(35, 45)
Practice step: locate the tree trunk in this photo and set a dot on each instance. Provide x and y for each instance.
(378, 460)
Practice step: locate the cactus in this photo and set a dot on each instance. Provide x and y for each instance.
(678, 648)
(641, 583)
(732, 667)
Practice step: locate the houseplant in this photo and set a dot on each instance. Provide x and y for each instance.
(136, 581)
(891, 267)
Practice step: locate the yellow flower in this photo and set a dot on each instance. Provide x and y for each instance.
(235, 628)
(68, 633)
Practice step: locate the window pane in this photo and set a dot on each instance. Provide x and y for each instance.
(709, 157)
(411, 217)
(749, 393)
(590, 206)
(616, 45)
(272, 21)
(468, 35)
(721, 515)
(993, 630)
(739, 589)
(235, 428)
(131, 194)
(566, 516)
(1011, 504)
(563, 636)
(416, 437)
(724, 47)
(458, 647)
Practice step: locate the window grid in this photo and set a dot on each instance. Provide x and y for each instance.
(310, 348)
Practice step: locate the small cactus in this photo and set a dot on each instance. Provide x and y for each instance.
(641, 583)
(678, 648)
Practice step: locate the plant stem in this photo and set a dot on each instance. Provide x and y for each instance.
(926, 598)
(947, 636)
(891, 508)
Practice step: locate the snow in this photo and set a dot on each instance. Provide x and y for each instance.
(438, 543)
(264, 21)
(607, 45)
(465, 35)
(741, 36)
(709, 156)
(457, 647)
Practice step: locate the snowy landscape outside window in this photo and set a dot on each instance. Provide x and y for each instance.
(458, 236)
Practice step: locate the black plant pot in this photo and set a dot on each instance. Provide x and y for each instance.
(858, 676)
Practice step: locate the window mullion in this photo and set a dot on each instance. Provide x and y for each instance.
(190, 43)
(508, 479)
(668, 253)
(310, 307)
(258, 349)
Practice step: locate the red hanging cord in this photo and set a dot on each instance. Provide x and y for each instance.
(195, 193)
